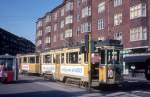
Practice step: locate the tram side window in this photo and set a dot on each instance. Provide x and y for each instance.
(67, 58)
(25, 60)
(31, 59)
(102, 52)
(109, 56)
(117, 56)
(37, 59)
(62, 58)
(48, 59)
(73, 57)
(58, 59)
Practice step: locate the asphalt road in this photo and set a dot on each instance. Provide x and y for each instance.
(31, 86)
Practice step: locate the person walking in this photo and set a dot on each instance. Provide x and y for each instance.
(133, 70)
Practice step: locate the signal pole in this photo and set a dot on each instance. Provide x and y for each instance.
(89, 62)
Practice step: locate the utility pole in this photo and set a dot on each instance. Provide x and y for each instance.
(89, 62)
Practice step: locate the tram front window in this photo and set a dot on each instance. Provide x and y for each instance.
(7, 62)
(113, 57)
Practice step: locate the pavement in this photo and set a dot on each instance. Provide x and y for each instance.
(32, 86)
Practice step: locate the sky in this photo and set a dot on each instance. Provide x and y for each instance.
(19, 16)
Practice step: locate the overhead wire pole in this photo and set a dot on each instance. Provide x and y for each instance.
(89, 61)
(89, 54)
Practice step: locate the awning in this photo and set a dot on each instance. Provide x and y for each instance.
(136, 58)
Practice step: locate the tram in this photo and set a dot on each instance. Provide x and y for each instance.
(71, 64)
(29, 63)
(8, 68)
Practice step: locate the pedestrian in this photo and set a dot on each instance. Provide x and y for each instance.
(133, 70)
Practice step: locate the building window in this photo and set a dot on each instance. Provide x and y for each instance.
(55, 15)
(68, 33)
(86, 12)
(62, 12)
(138, 11)
(48, 29)
(48, 39)
(117, 3)
(86, 27)
(39, 24)
(84, 1)
(47, 19)
(101, 7)
(118, 36)
(62, 24)
(69, 6)
(138, 33)
(78, 3)
(55, 27)
(39, 33)
(68, 19)
(117, 19)
(100, 24)
(39, 42)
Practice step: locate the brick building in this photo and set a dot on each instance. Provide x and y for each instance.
(66, 25)
(12, 44)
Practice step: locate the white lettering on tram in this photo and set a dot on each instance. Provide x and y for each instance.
(73, 70)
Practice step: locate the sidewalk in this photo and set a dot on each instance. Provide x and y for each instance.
(139, 77)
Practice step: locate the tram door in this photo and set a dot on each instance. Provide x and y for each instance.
(110, 66)
(57, 64)
(95, 66)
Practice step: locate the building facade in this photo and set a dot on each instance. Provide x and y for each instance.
(12, 44)
(124, 20)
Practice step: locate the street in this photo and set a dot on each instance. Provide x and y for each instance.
(32, 86)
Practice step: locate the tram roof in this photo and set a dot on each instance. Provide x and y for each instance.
(109, 43)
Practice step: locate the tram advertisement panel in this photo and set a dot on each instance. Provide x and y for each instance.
(73, 70)
(25, 67)
(48, 67)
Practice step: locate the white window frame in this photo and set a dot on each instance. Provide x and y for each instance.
(69, 6)
(69, 19)
(62, 12)
(48, 29)
(118, 19)
(117, 3)
(138, 34)
(68, 33)
(138, 11)
(101, 7)
(62, 23)
(48, 39)
(101, 24)
(86, 11)
(85, 27)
